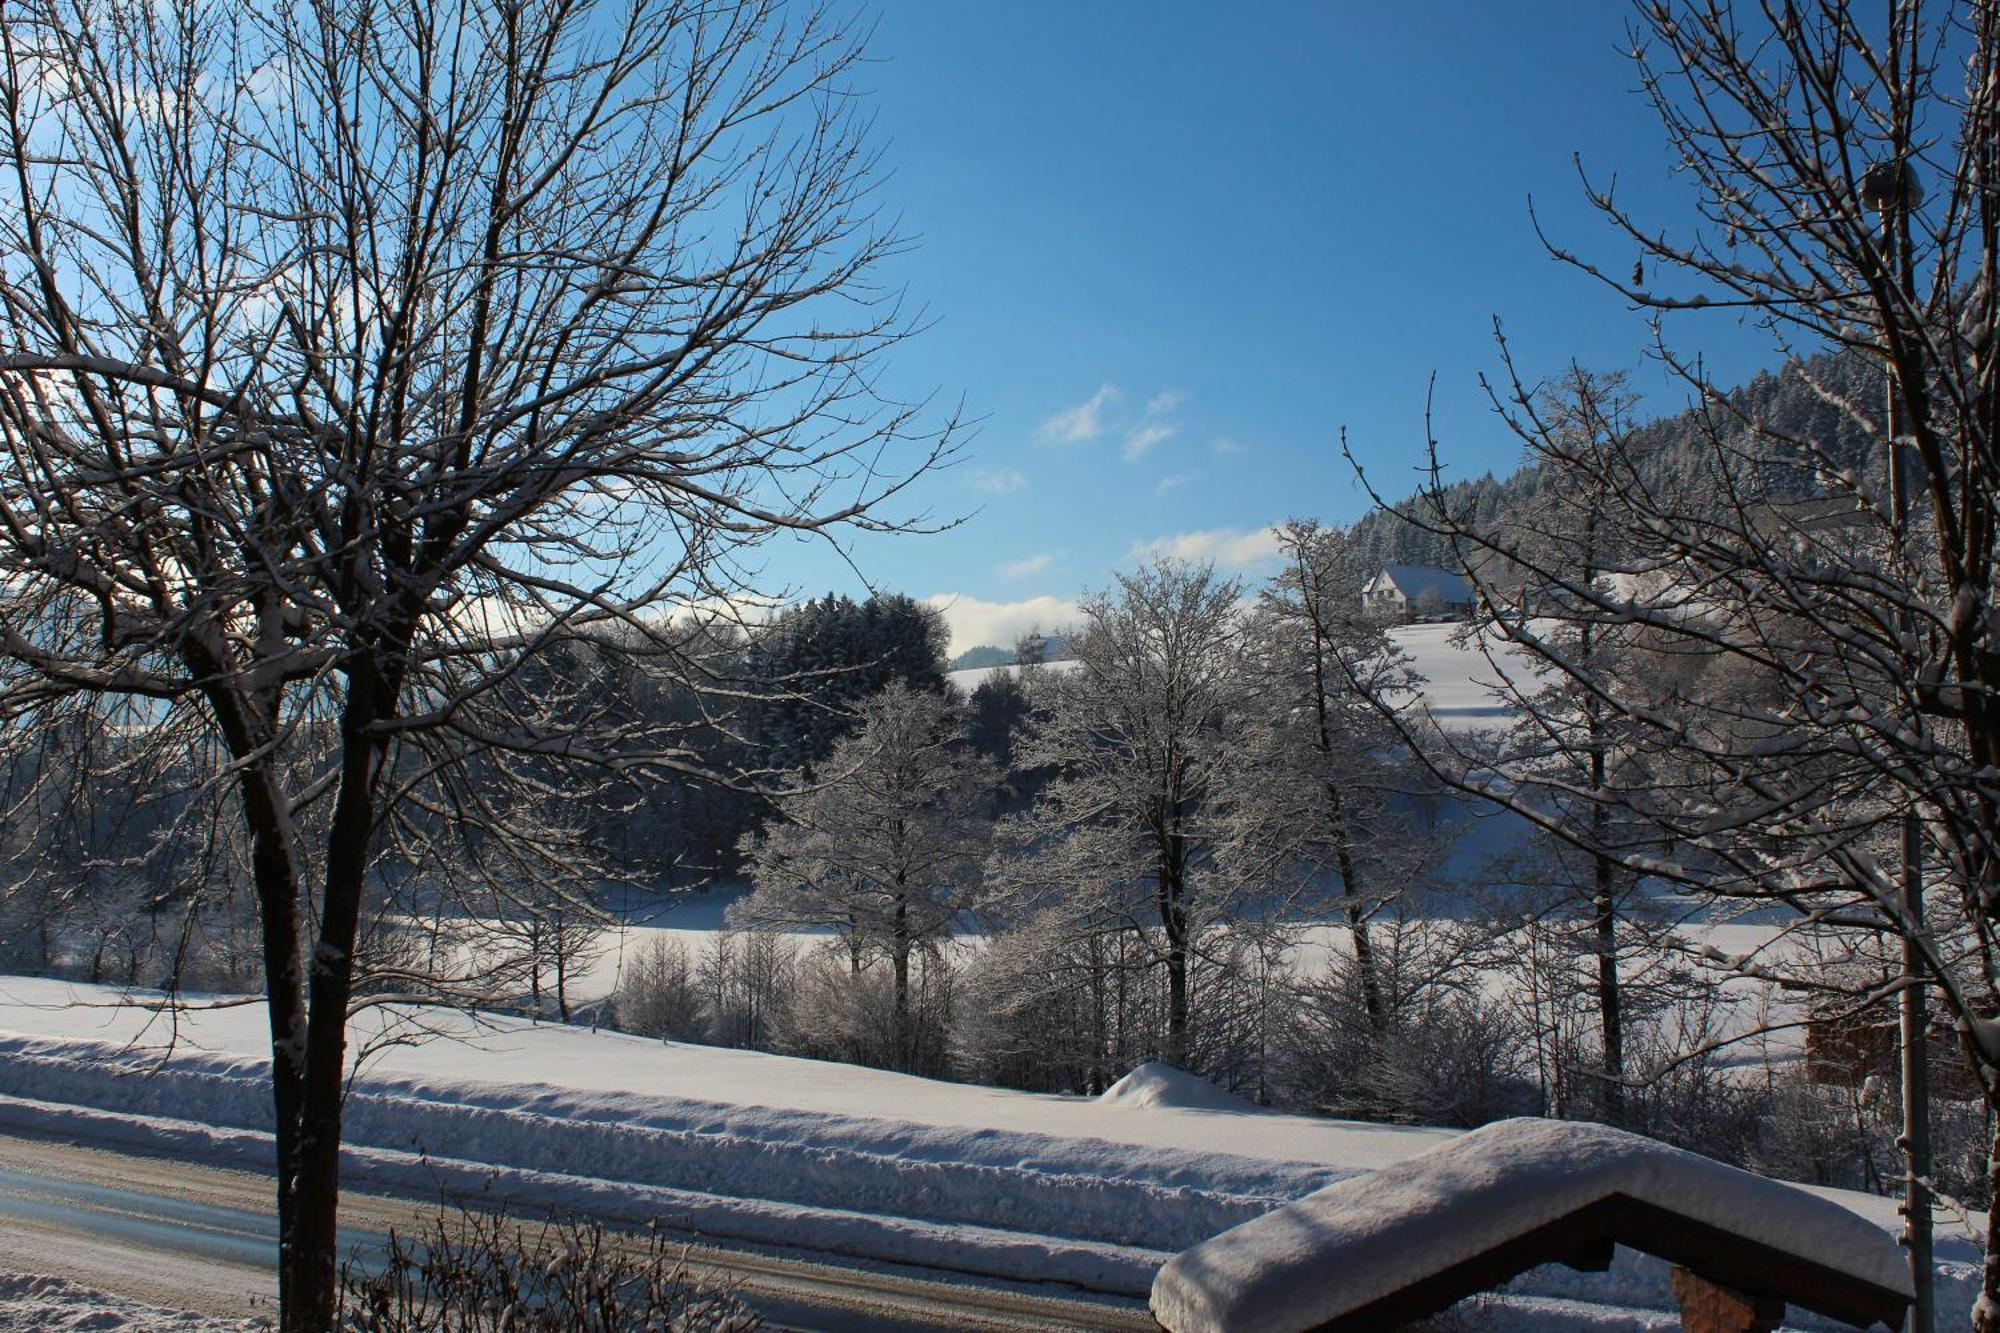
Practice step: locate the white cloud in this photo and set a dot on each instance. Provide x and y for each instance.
(1222, 444)
(1084, 421)
(997, 481)
(1020, 569)
(1227, 548)
(1144, 436)
(1173, 480)
(973, 621)
(1153, 428)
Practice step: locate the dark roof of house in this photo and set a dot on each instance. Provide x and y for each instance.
(1413, 581)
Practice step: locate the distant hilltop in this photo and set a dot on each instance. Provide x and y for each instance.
(1033, 646)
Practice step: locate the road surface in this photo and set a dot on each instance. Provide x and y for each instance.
(204, 1239)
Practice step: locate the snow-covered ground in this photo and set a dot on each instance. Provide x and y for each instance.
(1459, 679)
(826, 1157)
(34, 1304)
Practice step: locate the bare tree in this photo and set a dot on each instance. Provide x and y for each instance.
(1830, 735)
(885, 846)
(1567, 740)
(1125, 838)
(1313, 791)
(351, 354)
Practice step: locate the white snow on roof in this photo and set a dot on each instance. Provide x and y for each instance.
(1359, 1240)
(1156, 1084)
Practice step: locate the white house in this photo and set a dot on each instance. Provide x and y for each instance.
(1400, 592)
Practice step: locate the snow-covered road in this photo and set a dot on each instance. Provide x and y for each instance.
(189, 1238)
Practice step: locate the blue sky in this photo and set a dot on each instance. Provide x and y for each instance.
(1169, 250)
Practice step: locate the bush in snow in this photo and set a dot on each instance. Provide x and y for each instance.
(660, 994)
(838, 1011)
(747, 981)
(476, 1273)
(1448, 1061)
(1051, 1007)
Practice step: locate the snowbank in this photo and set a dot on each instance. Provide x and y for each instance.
(1358, 1241)
(729, 1143)
(1158, 1085)
(816, 1156)
(30, 1304)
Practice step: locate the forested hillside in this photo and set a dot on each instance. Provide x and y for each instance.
(1675, 446)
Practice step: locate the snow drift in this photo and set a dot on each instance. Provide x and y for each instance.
(1155, 1084)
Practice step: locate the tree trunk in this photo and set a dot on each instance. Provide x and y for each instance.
(1172, 905)
(1609, 996)
(1986, 1309)
(561, 958)
(1100, 1044)
(1357, 919)
(1604, 909)
(309, 1270)
(275, 871)
(900, 946)
(1177, 1002)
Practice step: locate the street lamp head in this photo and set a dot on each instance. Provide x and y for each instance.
(1891, 184)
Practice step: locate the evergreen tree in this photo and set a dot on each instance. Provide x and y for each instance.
(811, 667)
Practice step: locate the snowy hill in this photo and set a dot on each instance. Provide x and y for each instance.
(732, 1144)
(972, 678)
(1458, 678)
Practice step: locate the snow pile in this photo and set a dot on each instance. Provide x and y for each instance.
(55, 1305)
(1156, 1084)
(1355, 1242)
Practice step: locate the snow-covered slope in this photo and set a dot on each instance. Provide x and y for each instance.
(1460, 678)
(971, 678)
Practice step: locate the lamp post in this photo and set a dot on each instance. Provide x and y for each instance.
(1891, 190)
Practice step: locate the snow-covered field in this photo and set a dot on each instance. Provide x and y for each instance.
(1459, 679)
(825, 1157)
